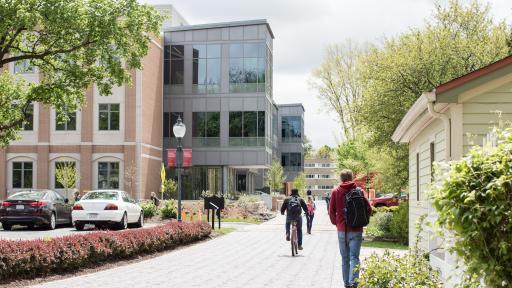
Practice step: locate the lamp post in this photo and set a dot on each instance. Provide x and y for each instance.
(179, 130)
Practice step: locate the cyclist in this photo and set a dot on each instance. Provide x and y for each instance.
(293, 205)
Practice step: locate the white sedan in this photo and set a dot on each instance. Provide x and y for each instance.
(107, 208)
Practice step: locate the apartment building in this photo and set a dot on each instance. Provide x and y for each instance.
(321, 176)
(108, 137)
(291, 140)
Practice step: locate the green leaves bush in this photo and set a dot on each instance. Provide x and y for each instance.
(474, 202)
(379, 226)
(168, 209)
(390, 223)
(399, 226)
(149, 209)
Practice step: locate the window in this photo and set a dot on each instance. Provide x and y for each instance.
(206, 128)
(23, 67)
(108, 175)
(206, 68)
(108, 116)
(170, 119)
(309, 165)
(324, 176)
(418, 176)
(247, 67)
(28, 123)
(326, 165)
(291, 161)
(291, 129)
(60, 165)
(310, 176)
(174, 63)
(247, 124)
(325, 187)
(432, 159)
(66, 125)
(22, 174)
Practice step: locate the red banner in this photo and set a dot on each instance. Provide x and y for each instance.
(187, 157)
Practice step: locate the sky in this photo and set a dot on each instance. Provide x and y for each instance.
(303, 29)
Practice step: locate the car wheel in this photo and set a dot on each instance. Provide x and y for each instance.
(140, 222)
(79, 226)
(124, 222)
(7, 226)
(53, 222)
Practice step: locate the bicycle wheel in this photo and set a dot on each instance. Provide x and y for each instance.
(296, 243)
(292, 241)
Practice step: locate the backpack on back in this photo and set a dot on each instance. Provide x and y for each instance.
(356, 209)
(294, 208)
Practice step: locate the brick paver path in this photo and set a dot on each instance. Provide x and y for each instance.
(255, 256)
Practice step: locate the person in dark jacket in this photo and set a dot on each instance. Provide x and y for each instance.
(350, 248)
(154, 199)
(290, 218)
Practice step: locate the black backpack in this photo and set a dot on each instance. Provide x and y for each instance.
(356, 209)
(294, 208)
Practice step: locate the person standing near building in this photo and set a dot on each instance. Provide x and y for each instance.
(327, 199)
(311, 213)
(350, 228)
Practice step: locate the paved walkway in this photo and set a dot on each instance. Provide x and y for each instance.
(253, 256)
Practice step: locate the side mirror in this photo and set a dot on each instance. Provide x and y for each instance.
(66, 200)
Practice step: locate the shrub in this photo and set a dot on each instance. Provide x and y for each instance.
(380, 225)
(399, 226)
(474, 203)
(168, 209)
(149, 209)
(33, 258)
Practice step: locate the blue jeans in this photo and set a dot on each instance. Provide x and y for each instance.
(350, 256)
(299, 229)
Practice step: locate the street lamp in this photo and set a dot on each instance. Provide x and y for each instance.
(179, 130)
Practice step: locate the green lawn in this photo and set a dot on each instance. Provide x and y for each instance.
(224, 230)
(384, 244)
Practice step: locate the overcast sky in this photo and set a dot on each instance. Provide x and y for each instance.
(303, 28)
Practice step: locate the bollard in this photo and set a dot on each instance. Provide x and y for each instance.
(199, 215)
(191, 216)
(183, 215)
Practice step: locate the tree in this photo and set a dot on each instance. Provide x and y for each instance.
(170, 187)
(300, 183)
(355, 156)
(308, 148)
(67, 176)
(457, 40)
(130, 177)
(324, 152)
(337, 82)
(275, 176)
(73, 44)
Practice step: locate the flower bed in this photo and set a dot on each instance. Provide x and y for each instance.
(32, 258)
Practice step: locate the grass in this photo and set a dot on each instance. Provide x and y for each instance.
(384, 244)
(224, 230)
(235, 219)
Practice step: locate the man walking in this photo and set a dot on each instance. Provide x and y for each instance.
(350, 237)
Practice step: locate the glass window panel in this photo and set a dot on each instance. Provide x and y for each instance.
(166, 131)
(174, 118)
(177, 51)
(250, 124)
(214, 51)
(262, 50)
(213, 72)
(114, 121)
(199, 72)
(236, 50)
(198, 124)
(177, 68)
(235, 124)
(199, 51)
(167, 52)
(58, 165)
(28, 123)
(114, 107)
(251, 49)
(261, 123)
(236, 70)
(213, 124)
(285, 159)
(16, 176)
(251, 70)
(167, 72)
(261, 70)
(103, 121)
(16, 165)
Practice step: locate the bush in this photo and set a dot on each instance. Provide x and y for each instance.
(33, 258)
(399, 226)
(380, 225)
(168, 209)
(149, 209)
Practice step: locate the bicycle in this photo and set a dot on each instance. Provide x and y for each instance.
(294, 239)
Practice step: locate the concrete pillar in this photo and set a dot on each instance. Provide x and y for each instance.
(86, 181)
(3, 174)
(43, 175)
(85, 168)
(225, 184)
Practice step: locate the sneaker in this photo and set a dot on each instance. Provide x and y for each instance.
(300, 247)
(287, 237)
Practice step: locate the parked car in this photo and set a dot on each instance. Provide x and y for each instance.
(385, 200)
(112, 208)
(35, 207)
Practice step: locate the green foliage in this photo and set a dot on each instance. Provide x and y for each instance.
(474, 202)
(74, 44)
(324, 152)
(300, 183)
(168, 209)
(149, 209)
(275, 176)
(355, 156)
(67, 175)
(308, 147)
(170, 187)
(380, 225)
(390, 223)
(399, 226)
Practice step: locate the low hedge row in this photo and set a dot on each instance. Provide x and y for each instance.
(32, 258)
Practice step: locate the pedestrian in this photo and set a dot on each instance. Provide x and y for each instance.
(293, 206)
(311, 213)
(308, 193)
(327, 199)
(350, 230)
(155, 199)
(77, 196)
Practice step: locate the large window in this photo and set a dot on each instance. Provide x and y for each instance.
(291, 161)
(61, 165)
(170, 119)
(174, 63)
(28, 123)
(291, 129)
(247, 65)
(108, 175)
(22, 174)
(206, 128)
(66, 125)
(108, 116)
(206, 68)
(247, 128)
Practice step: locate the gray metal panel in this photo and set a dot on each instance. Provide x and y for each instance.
(212, 104)
(236, 104)
(214, 34)
(250, 32)
(250, 104)
(225, 34)
(236, 33)
(199, 104)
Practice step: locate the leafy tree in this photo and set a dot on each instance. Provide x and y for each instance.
(324, 152)
(73, 44)
(170, 187)
(308, 148)
(457, 40)
(275, 176)
(67, 176)
(300, 183)
(355, 156)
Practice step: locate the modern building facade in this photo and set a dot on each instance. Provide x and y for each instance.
(291, 140)
(321, 176)
(108, 137)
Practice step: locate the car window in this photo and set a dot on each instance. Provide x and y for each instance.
(50, 196)
(101, 195)
(58, 196)
(27, 195)
(125, 197)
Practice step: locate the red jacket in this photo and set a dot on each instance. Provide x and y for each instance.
(337, 206)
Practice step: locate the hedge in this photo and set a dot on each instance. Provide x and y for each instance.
(32, 258)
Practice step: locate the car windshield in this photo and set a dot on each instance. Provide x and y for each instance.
(101, 195)
(27, 195)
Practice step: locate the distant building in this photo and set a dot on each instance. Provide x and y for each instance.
(291, 142)
(321, 176)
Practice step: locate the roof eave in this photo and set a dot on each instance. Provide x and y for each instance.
(417, 109)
